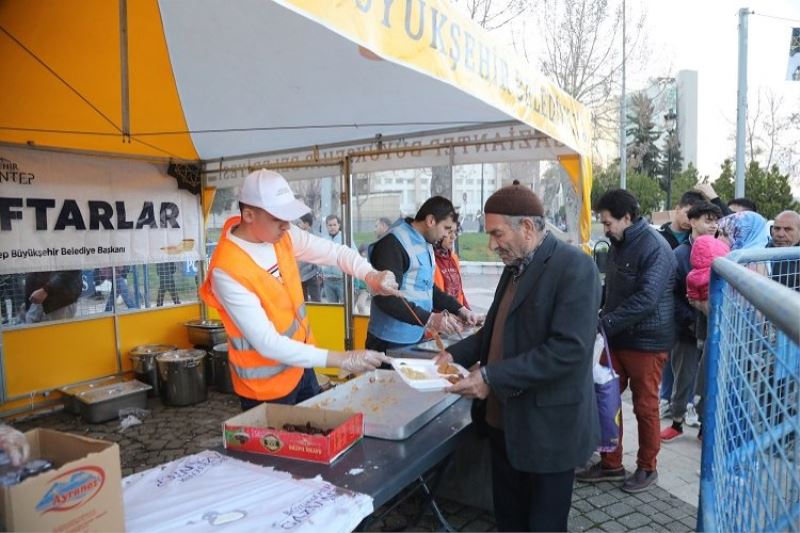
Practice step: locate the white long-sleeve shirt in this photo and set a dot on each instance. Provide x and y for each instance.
(244, 307)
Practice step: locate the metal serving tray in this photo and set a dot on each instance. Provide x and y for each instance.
(71, 392)
(392, 410)
(104, 403)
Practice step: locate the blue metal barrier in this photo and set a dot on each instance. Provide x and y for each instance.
(750, 475)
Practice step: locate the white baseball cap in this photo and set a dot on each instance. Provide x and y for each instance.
(270, 191)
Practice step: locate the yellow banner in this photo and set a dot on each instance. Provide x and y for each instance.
(436, 39)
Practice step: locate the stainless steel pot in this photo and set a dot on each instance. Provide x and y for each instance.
(206, 333)
(144, 364)
(183, 378)
(222, 372)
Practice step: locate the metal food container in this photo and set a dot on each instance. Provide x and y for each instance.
(71, 402)
(144, 363)
(182, 377)
(392, 410)
(104, 403)
(222, 372)
(206, 333)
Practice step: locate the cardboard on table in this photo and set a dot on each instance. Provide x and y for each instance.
(260, 430)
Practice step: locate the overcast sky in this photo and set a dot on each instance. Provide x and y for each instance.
(703, 36)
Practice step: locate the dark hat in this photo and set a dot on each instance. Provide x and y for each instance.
(514, 200)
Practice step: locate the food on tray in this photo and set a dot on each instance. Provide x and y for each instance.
(447, 368)
(308, 429)
(454, 378)
(410, 373)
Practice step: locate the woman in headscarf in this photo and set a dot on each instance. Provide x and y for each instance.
(742, 230)
(447, 274)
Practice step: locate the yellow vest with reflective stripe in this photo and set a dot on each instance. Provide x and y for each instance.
(255, 375)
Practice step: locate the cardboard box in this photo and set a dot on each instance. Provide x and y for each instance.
(84, 493)
(260, 430)
(660, 217)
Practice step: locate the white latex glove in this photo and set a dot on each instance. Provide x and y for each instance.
(382, 283)
(14, 444)
(444, 322)
(359, 361)
(470, 317)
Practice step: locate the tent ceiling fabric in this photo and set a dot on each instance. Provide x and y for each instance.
(79, 41)
(262, 68)
(253, 64)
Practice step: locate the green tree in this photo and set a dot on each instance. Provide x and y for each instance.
(670, 164)
(643, 153)
(724, 185)
(647, 190)
(769, 189)
(684, 181)
(605, 180)
(643, 187)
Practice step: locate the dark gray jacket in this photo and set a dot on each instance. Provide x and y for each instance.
(545, 378)
(639, 305)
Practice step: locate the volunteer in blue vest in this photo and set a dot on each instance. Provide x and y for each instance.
(407, 251)
(254, 283)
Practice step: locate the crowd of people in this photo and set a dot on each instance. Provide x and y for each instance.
(530, 365)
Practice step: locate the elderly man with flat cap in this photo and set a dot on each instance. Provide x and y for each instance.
(254, 283)
(533, 391)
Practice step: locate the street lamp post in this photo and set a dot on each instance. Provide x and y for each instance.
(669, 124)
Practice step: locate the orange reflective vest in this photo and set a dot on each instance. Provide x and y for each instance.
(438, 279)
(255, 375)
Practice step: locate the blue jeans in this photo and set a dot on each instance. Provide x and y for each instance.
(334, 290)
(308, 387)
(121, 290)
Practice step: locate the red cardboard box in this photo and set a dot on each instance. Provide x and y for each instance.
(83, 493)
(259, 430)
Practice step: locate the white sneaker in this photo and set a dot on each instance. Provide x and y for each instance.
(663, 408)
(691, 420)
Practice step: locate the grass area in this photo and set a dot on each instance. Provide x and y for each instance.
(472, 246)
(475, 247)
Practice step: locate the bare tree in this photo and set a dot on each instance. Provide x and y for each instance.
(492, 14)
(576, 43)
(582, 54)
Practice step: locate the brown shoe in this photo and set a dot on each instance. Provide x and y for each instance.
(640, 481)
(597, 473)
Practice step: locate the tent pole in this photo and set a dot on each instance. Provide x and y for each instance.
(347, 220)
(123, 65)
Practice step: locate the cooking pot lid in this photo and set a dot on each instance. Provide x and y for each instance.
(152, 349)
(207, 324)
(178, 356)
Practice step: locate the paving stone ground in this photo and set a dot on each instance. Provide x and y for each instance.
(168, 433)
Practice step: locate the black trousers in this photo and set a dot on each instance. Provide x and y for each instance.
(525, 501)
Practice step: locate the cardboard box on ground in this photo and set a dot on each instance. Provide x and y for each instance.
(260, 430)
(83, 493)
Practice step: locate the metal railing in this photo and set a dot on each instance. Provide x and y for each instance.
(750, 477)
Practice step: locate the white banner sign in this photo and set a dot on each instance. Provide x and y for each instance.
(66, 212)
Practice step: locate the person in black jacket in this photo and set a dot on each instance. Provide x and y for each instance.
(677, 231)
(685, 354)
(57, 292)
(534, 389)
(638, 318)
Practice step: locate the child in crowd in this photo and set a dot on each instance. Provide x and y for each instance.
(705, 249)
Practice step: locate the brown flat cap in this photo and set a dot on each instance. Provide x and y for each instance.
(514, 200)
